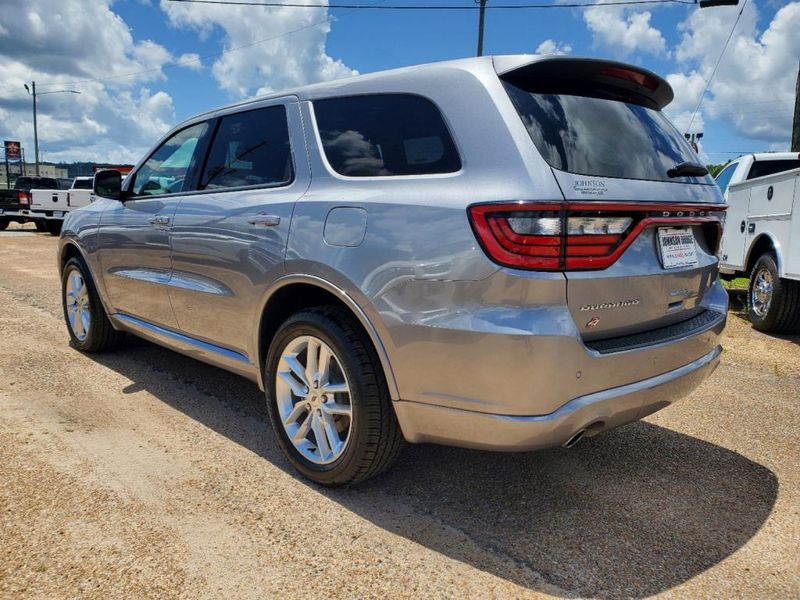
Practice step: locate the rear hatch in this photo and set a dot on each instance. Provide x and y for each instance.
(638, 233)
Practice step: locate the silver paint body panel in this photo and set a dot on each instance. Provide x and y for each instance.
(496, 351)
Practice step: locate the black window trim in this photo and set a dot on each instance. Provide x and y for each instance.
(333, 172)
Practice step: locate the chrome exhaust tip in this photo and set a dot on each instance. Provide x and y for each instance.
(576, 437)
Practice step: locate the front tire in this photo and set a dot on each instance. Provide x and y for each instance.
(774, 303)
(327, 398)
(87, 323)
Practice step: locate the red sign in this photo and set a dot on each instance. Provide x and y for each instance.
(123, 169)
(12, 150)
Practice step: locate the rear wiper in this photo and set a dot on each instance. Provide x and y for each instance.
(686, 169)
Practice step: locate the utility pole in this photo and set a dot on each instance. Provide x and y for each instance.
(796, 122)
(481, 20)
(32, 92)
(35, 131)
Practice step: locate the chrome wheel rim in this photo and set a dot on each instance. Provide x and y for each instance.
(313, 397)
(79, 314)
(761, 295)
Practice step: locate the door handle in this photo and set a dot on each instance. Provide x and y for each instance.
(265, 220)
(159, 220)
(742, 226)
(751, 228)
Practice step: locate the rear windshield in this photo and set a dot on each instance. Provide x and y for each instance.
(602, 137)
(82, 184)
(761, 168)
(36, 183)
(384, 135)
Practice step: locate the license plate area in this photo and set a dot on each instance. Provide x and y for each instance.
(58, 213)
(677, 247)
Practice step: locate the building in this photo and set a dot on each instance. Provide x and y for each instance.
(45, 170)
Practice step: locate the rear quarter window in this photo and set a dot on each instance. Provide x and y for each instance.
(385, 135)
(762, 168)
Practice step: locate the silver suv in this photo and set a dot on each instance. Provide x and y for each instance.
(505, 253)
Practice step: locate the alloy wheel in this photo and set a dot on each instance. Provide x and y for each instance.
(79, 312)
(313, 398)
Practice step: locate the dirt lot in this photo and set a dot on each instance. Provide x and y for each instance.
(144, 473)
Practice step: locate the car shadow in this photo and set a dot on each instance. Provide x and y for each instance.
(630, 513)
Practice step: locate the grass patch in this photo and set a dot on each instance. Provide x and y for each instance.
(740, 283)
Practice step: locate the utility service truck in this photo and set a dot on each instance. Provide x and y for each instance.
(761, 237)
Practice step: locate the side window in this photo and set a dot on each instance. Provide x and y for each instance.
(250, 149)
(385, 134)
(165, 171)
(724, 176)
(761, 168)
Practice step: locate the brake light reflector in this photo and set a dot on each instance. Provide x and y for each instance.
(23, 198)
(557, 236)
(68, 200)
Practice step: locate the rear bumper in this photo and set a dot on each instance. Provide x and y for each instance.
(612, 407)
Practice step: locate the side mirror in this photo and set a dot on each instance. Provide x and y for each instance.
(108, 184)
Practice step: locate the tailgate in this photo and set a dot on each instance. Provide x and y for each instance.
(639, 230)
(49, 200)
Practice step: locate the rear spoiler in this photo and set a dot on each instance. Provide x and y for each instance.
(585, 77)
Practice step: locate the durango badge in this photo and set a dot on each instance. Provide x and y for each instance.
(606, 305)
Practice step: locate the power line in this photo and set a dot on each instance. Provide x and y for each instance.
(716, 66)
(430, 6)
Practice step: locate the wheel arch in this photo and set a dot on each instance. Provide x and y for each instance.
(295, 292)
(763, 244)
(71, 249)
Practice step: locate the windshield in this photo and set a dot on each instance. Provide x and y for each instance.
(602, 137)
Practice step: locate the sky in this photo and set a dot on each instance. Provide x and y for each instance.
(142, 66)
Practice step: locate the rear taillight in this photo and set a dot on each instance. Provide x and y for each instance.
(24, 198)
(573, 236)
(68, 200)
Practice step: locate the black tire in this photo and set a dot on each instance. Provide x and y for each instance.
(53, 227)
(375, 438)
(101, 335)
(41, 225)
(783, 313)
(3, 224)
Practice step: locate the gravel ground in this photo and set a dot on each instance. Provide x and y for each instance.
(144, 473)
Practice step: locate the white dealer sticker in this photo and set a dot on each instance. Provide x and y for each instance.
(677, 247)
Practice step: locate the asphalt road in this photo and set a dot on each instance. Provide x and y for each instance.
(145, 473)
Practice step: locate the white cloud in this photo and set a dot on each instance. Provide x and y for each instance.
(553, 47)
(191, 61)
(754, 86)
(622, 31)
(67, 44)
(278, 60)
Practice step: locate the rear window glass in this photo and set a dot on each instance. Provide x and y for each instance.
(762, 168)
(250, 148)
(602, 137)
(385, 135)
(36, 183)
(82, 184)
(724, 176)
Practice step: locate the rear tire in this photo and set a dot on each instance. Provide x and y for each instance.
(373, 438)
(773, 303)
(53, 227)
(87, 323)
(3, 224)
(40, 225)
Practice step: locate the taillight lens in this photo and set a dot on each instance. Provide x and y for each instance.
(563, 236)
(68, 200)
(24, 198)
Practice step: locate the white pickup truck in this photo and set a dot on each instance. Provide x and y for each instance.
(761, 238)
(51, 205)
